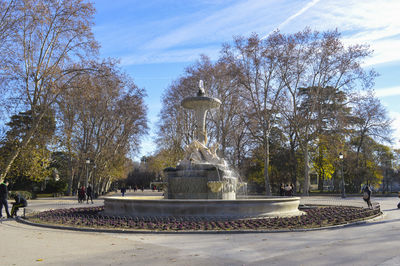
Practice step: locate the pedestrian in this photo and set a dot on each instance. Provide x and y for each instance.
(81, 194)
(291, 189)
(398, 205)
(282, 190)
(288, 190)
(89, 194)
(3, 198)
(123, 190)
(20, 202)
(367, 195)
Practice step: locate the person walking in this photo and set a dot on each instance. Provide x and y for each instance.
(20, 202)
(81, 194)
(367, 195)
(89, 194)
(3, 198)
(123, 190)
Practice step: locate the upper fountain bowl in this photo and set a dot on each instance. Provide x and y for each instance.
(201, 102)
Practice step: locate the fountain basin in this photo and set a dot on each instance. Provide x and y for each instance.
(253, 207)
(201, 102)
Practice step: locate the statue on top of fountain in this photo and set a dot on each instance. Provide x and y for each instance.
(197, 153)
(201, 91)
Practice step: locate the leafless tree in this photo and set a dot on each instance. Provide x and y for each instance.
(257, 61)
(103, 117)
(314, 61)
(51, 37)
(370, 119)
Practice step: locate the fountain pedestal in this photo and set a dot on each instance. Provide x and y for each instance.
(200, 181)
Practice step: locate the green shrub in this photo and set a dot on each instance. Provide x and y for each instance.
(58, 187)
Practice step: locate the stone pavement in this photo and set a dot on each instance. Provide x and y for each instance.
(374, 243)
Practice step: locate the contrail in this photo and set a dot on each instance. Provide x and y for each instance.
(301, 11)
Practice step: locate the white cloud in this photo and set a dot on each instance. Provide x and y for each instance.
(205, 30)
(385, 51)
(362, 22)
(386, 92)
(219, 25)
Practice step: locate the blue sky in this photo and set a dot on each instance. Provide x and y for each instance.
(156, 40)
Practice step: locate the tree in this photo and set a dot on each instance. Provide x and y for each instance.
(51, 36)
(257, 63)
(33, 162)
(315, 61)
(373, 158)
(9, 23)
(370, 119)
(103, 117)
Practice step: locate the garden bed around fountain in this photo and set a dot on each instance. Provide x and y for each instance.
(92, 219)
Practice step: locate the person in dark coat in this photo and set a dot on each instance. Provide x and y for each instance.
(20, 202)
(123, 190)
(3, 198)
(89, 194)
(282, 190)
(398, 204)
(81, 194)
(291, 189)
(367, 195)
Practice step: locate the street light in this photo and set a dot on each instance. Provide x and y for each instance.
(343, 187)
(87, 172)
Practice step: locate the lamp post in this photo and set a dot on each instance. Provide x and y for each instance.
(343, 187)
(87, 172)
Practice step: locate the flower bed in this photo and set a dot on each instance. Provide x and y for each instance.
(314, 217)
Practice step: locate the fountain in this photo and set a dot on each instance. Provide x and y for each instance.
(201, 174)
(202, 185)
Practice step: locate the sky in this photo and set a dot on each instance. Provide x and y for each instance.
(156, 39)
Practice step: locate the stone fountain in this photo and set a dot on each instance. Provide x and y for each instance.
(201, 174)
(202, 185)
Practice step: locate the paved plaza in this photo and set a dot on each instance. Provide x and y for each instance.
(376, 242)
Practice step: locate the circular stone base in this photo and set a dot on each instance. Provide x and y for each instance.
(157, 206)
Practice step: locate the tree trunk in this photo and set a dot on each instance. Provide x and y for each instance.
(320, 183)
(294, 165)
(70, 172)
(266, 167)
(306, 186)
(321, 173)
(71, 181)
